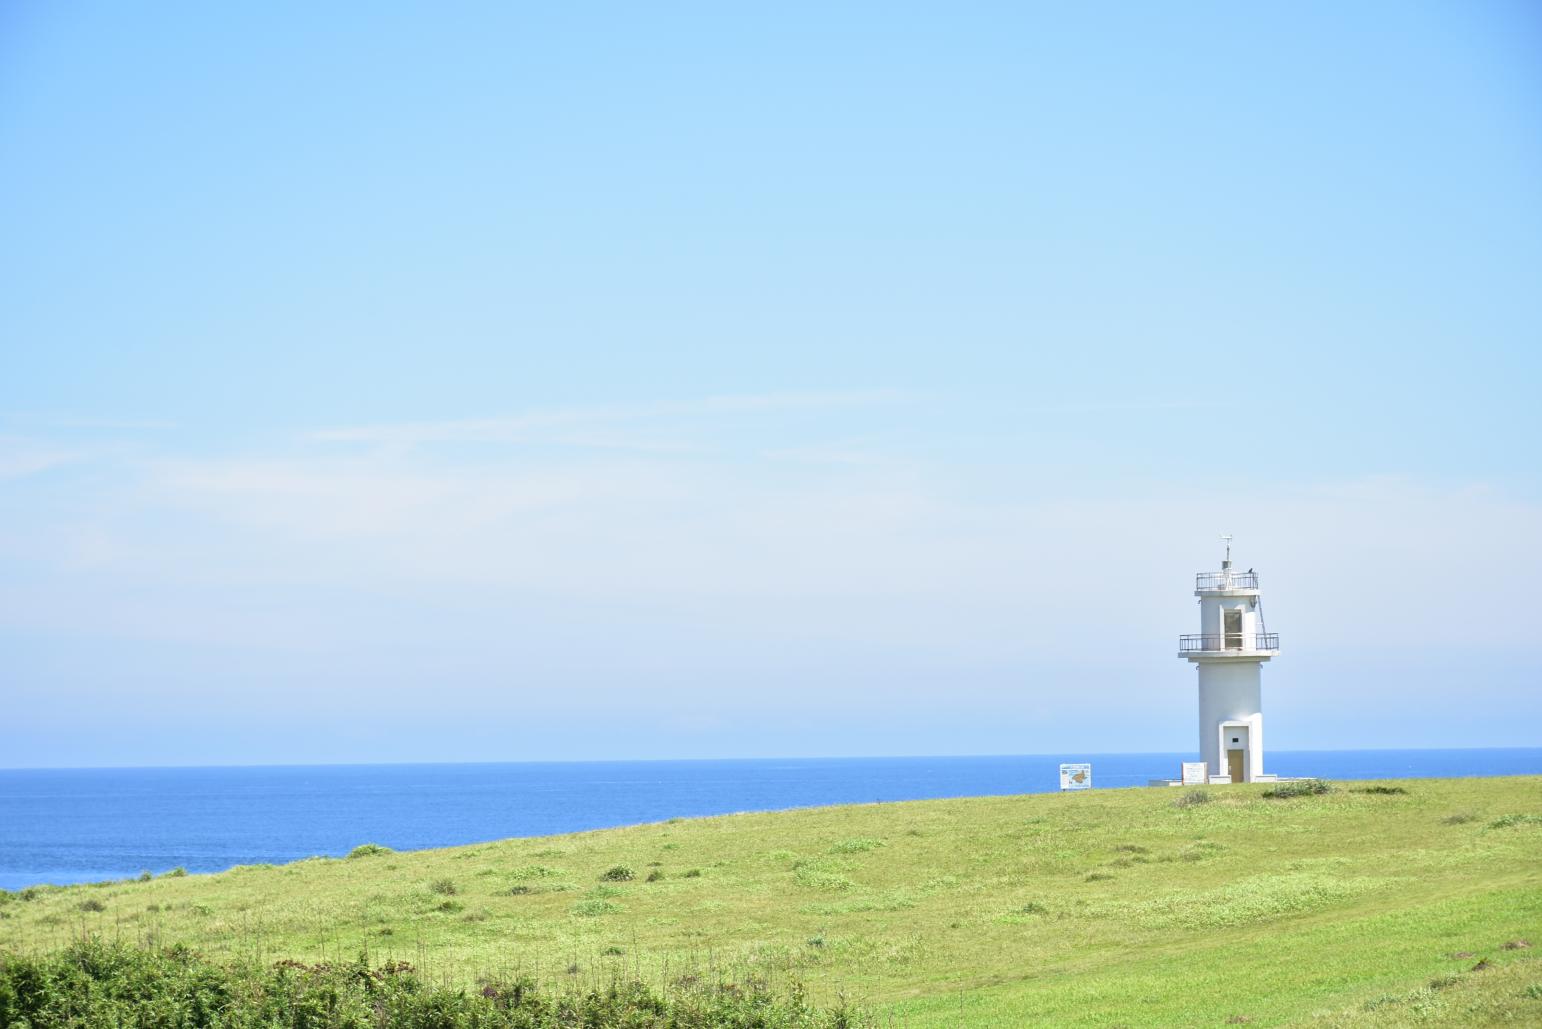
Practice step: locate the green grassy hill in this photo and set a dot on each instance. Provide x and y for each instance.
(1112, 907)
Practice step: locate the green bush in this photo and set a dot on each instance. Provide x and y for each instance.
(95, 984)
(1381, 791)
(92, 904)
(1192, 797)
(176, 873)
(443, 887)
(369, 850)
(594, 907)
(1300, 788)
(1512, 821)
(618, 874)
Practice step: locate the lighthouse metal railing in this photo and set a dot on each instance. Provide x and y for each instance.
(1227, 580)
(1222, 642)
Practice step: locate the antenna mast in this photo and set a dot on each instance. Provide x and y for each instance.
(1226, 538)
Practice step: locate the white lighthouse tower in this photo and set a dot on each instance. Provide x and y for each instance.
(1230, 650)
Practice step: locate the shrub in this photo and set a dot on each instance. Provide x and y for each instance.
(1299, 788)
(1192, 797)
(92, 904)
(145, 876)
(1380, 791)
(1460, 818)
(519, 891)
(617, 874)
(691, 873)
(535, 872)
(369, 850)
(176, 873)
(443, 887)
(594, 907)
(612, 952)
(856, 845)
(450, 907)
(94, 983)
(654, 876)
(1512, 821)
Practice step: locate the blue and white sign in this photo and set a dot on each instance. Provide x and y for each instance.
(1076, 777)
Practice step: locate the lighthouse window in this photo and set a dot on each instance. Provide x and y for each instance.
(1235, 739)
(1234, 630)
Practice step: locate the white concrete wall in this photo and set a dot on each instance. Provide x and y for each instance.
(1212, 621)
(1230, 691)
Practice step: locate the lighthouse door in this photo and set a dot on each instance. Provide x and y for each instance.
(1234, 765)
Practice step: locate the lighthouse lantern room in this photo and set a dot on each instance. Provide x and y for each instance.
(1230, 649)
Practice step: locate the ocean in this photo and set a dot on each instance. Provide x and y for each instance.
(82, 825)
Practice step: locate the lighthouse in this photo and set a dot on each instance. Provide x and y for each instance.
(1230, 650)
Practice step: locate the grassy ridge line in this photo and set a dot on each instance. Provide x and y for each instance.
(1109, 907)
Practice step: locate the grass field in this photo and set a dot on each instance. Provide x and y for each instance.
(1104, 908)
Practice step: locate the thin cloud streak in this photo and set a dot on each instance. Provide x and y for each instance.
(543, 425)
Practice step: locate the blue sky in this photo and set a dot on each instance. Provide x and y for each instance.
(411, 382)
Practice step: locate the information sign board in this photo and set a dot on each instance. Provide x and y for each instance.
(1076, 777)
(1194, 773)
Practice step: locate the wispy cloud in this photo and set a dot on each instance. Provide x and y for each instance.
(63, 421)
(576, 426)
(20, 457)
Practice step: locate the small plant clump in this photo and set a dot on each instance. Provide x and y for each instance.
(654, 876)
(617, 874)
(1193, 798)
(1299, 788)
(1512, 821)
(1381, 791)
(92, 904)
(443, 887)
(176, 873)
(369, 850)
(594, 907)
(1460, 818)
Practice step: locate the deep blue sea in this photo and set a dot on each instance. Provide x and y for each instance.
(76, 825)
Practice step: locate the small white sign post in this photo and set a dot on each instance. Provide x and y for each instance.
(1195, 773)
(1076, 777)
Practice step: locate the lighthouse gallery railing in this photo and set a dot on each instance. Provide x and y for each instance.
(1222, 641)
(1226, 581)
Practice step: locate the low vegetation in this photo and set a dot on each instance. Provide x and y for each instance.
(94, 984)
(1355, 906)
(1304, 788)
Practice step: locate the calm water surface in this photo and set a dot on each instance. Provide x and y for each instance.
(75, 825)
